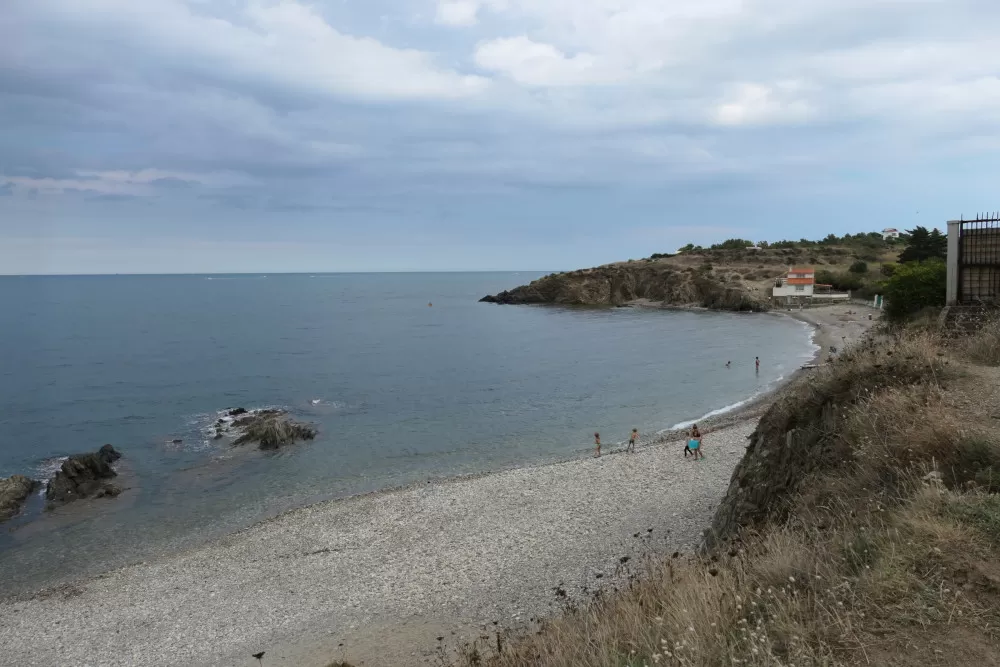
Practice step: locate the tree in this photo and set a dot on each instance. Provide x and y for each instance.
(831, 239)
(733, 244)
(842, 282)
(688, 248)
(859, 267)
(924, 245)
(889, 270)
(915, 286)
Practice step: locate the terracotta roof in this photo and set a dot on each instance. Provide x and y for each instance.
(803, 269)
(800, 281)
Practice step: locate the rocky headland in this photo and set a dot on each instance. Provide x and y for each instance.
(659, 282)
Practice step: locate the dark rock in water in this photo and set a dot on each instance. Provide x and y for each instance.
(177, 441)
(235, 412)
(13, 492)
(218, 435)
(272, 429)
(84, 476)
(504, 297)
(109, 454)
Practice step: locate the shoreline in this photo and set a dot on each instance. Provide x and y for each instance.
(357, 579)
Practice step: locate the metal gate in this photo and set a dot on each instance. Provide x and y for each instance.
(979, 260)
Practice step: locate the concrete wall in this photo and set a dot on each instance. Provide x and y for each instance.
(954, 232)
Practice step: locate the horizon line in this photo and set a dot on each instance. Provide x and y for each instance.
(260, 273)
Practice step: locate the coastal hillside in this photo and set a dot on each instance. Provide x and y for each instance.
(719, 278)
(862, 526)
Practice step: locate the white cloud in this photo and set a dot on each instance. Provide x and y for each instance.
(531, 63)
(756, 104)
(457, 12)
(138, 183)
(283, 42)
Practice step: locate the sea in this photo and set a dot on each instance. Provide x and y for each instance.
(406, 376)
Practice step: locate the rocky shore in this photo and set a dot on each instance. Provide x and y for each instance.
(13, 492)
(463, 553)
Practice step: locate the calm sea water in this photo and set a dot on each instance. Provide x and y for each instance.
(400, 391)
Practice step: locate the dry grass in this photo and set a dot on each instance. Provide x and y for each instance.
(886, 554)
(984, 346)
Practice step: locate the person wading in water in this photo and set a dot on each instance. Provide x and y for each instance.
(597, 444)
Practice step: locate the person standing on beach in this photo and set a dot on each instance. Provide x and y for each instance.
(597, 444)
(756, 361)
(694, 444)
(632, 437)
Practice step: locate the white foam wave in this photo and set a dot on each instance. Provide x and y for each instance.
(48, 468)
(728, 408)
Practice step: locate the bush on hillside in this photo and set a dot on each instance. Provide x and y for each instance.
(733, 244)
(888, 270)
(915, 286)
(859, 267)
(842, 282)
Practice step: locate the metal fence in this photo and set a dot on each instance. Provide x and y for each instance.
(979, 260)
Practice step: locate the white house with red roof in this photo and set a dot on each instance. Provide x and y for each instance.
(799, 284)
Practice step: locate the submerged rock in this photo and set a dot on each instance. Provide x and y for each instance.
(84, 476)
(271, 429)
(13, 492)
(235, 412)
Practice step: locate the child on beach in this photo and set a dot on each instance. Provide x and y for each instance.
(597, 443)
(694, 444)
(633, 436)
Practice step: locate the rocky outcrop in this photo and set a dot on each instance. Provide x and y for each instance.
(271, 429)
(13, 492)
(84, 476)
(620, 284)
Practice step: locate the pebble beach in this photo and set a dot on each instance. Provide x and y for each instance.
(390, 578)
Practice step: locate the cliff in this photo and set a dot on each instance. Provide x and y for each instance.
(620, 284)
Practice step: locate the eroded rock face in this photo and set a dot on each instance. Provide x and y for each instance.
(84, 476)
(617, 285)
(13, 492)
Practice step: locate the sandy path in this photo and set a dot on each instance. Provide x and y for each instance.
(485, 549)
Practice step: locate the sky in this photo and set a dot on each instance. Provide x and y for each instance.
(175, 136)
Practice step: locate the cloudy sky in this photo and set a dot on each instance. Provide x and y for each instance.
(346, 135)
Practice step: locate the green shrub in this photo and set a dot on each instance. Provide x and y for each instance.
(859, 267)
(842, 282)
(915, 286)
(888, 270)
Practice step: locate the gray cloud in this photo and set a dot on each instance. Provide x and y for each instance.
(437, 113)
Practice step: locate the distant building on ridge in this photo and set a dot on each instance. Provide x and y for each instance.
(890, 233)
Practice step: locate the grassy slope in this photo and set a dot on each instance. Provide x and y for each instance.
(871, 536)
